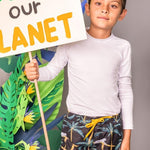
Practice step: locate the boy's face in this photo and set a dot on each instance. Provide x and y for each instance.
(105, 13)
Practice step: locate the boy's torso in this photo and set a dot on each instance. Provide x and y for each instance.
(93, 68)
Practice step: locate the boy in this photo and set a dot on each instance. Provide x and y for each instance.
(99, 74)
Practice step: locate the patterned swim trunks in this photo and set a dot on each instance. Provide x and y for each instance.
(87, 133)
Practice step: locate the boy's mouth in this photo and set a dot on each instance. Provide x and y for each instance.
(104, 18)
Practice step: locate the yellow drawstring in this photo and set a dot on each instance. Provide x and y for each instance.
(94, 122)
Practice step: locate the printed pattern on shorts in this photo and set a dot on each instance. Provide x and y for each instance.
(106, 135)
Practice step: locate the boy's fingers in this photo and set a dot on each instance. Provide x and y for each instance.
(31, 72)
(32, 64)
(33, 77)
(33, 69)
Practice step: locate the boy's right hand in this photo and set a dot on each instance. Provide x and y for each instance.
(32, 70)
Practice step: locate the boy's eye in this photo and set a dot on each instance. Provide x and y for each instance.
(98, 3)
(114, 6)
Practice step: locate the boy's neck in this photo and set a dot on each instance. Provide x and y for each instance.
(99, 34)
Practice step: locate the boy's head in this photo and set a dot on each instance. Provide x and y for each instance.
(104, 14)
(123, 4)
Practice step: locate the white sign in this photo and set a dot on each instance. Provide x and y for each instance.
(27, 25)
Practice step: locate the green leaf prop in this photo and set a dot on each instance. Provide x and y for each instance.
(23, 100)
(51, 94)
(8, 100)
(8, 63)
(14, 101)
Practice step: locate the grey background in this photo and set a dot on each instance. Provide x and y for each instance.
(134, 28)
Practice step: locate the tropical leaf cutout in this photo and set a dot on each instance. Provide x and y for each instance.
(36, 131)
(8, 64)
(14, 102)
(51, 94)
(8, 100)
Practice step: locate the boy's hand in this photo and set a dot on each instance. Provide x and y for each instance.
(32, 70)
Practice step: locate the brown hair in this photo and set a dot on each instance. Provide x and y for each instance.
(123, 3)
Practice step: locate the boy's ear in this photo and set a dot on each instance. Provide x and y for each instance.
(123, 14)
(87, 9)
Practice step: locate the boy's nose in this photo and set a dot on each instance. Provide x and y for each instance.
(104, 11)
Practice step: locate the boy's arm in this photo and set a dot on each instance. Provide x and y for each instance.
(126, 139)
(125, 88)
(126, 97)
(50, 71)
(53, 68)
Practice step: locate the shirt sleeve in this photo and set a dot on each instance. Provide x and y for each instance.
(125, 89)
(58, 62)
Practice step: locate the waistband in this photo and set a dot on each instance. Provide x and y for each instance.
(91, 117)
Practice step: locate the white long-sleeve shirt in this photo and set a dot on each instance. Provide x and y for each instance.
(99, 76)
